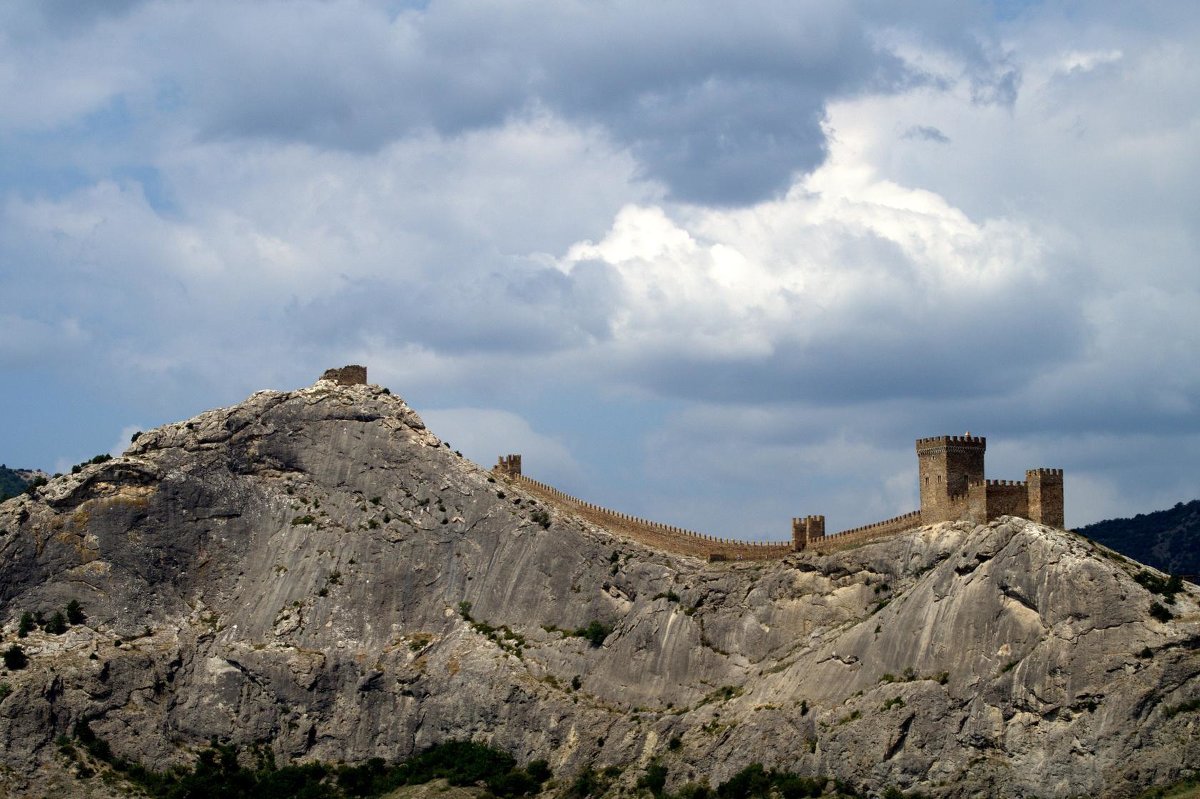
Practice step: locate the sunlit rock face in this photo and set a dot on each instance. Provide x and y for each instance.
(317, 570)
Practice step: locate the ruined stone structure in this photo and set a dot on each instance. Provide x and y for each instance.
(353, 375)
(952, 483)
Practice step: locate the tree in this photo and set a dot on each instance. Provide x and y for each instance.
(75, 614)
(15, 659)
(57, 624)
(26, 625)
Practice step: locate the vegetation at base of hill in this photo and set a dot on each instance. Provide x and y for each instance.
(1185, 789)
(752, 782)
(223, 770)
(1168, 540)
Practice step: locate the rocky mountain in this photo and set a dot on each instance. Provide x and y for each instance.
(1167, 539)
(316, 571)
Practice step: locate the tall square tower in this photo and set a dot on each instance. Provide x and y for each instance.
(947, 465)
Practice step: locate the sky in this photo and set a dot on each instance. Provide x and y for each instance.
(716, 265)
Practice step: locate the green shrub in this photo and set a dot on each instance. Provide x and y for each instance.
(1167, 587)
(1160, 612)
(654, 779)
(57, 624)
(755, 782)
(15, 658)
(595, 633)
(75, 614)
(26, 625)
(591, 783)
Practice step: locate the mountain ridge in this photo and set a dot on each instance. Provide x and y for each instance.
(1167, 539)
(316, 570)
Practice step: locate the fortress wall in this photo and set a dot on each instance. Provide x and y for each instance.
(1006, 498)
(667, 537)
(870, 532)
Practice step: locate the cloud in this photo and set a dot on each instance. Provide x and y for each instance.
(926, 133)
(696, 249)
(720, 108)
(483, 434)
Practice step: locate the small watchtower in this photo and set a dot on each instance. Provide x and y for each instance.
(352, 375)
(947, 465)
(1045, 496)
(508, 466)
(807, 530)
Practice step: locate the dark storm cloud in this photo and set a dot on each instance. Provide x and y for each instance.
(721, 104)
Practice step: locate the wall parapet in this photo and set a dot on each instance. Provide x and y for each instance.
(963, 441)
(669, 537)
(952, 484)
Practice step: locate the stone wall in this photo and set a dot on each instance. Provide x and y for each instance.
(666, 537)
(869, 532)
(952, 484)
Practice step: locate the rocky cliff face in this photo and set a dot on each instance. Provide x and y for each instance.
(316, 570)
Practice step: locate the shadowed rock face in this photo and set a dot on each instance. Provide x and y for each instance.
(292, 570)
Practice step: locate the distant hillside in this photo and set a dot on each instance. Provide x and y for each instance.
(11, 483)
(1166, 539)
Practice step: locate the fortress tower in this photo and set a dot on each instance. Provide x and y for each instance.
(508, 466)
(947, 465)
(1045, 491)
(807, 530)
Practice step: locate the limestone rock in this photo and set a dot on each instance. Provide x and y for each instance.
(315, 569)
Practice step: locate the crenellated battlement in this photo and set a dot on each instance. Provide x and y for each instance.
(1001, 483)
(963, 441)
(508, 465)
(953, 488)
(668, 537)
